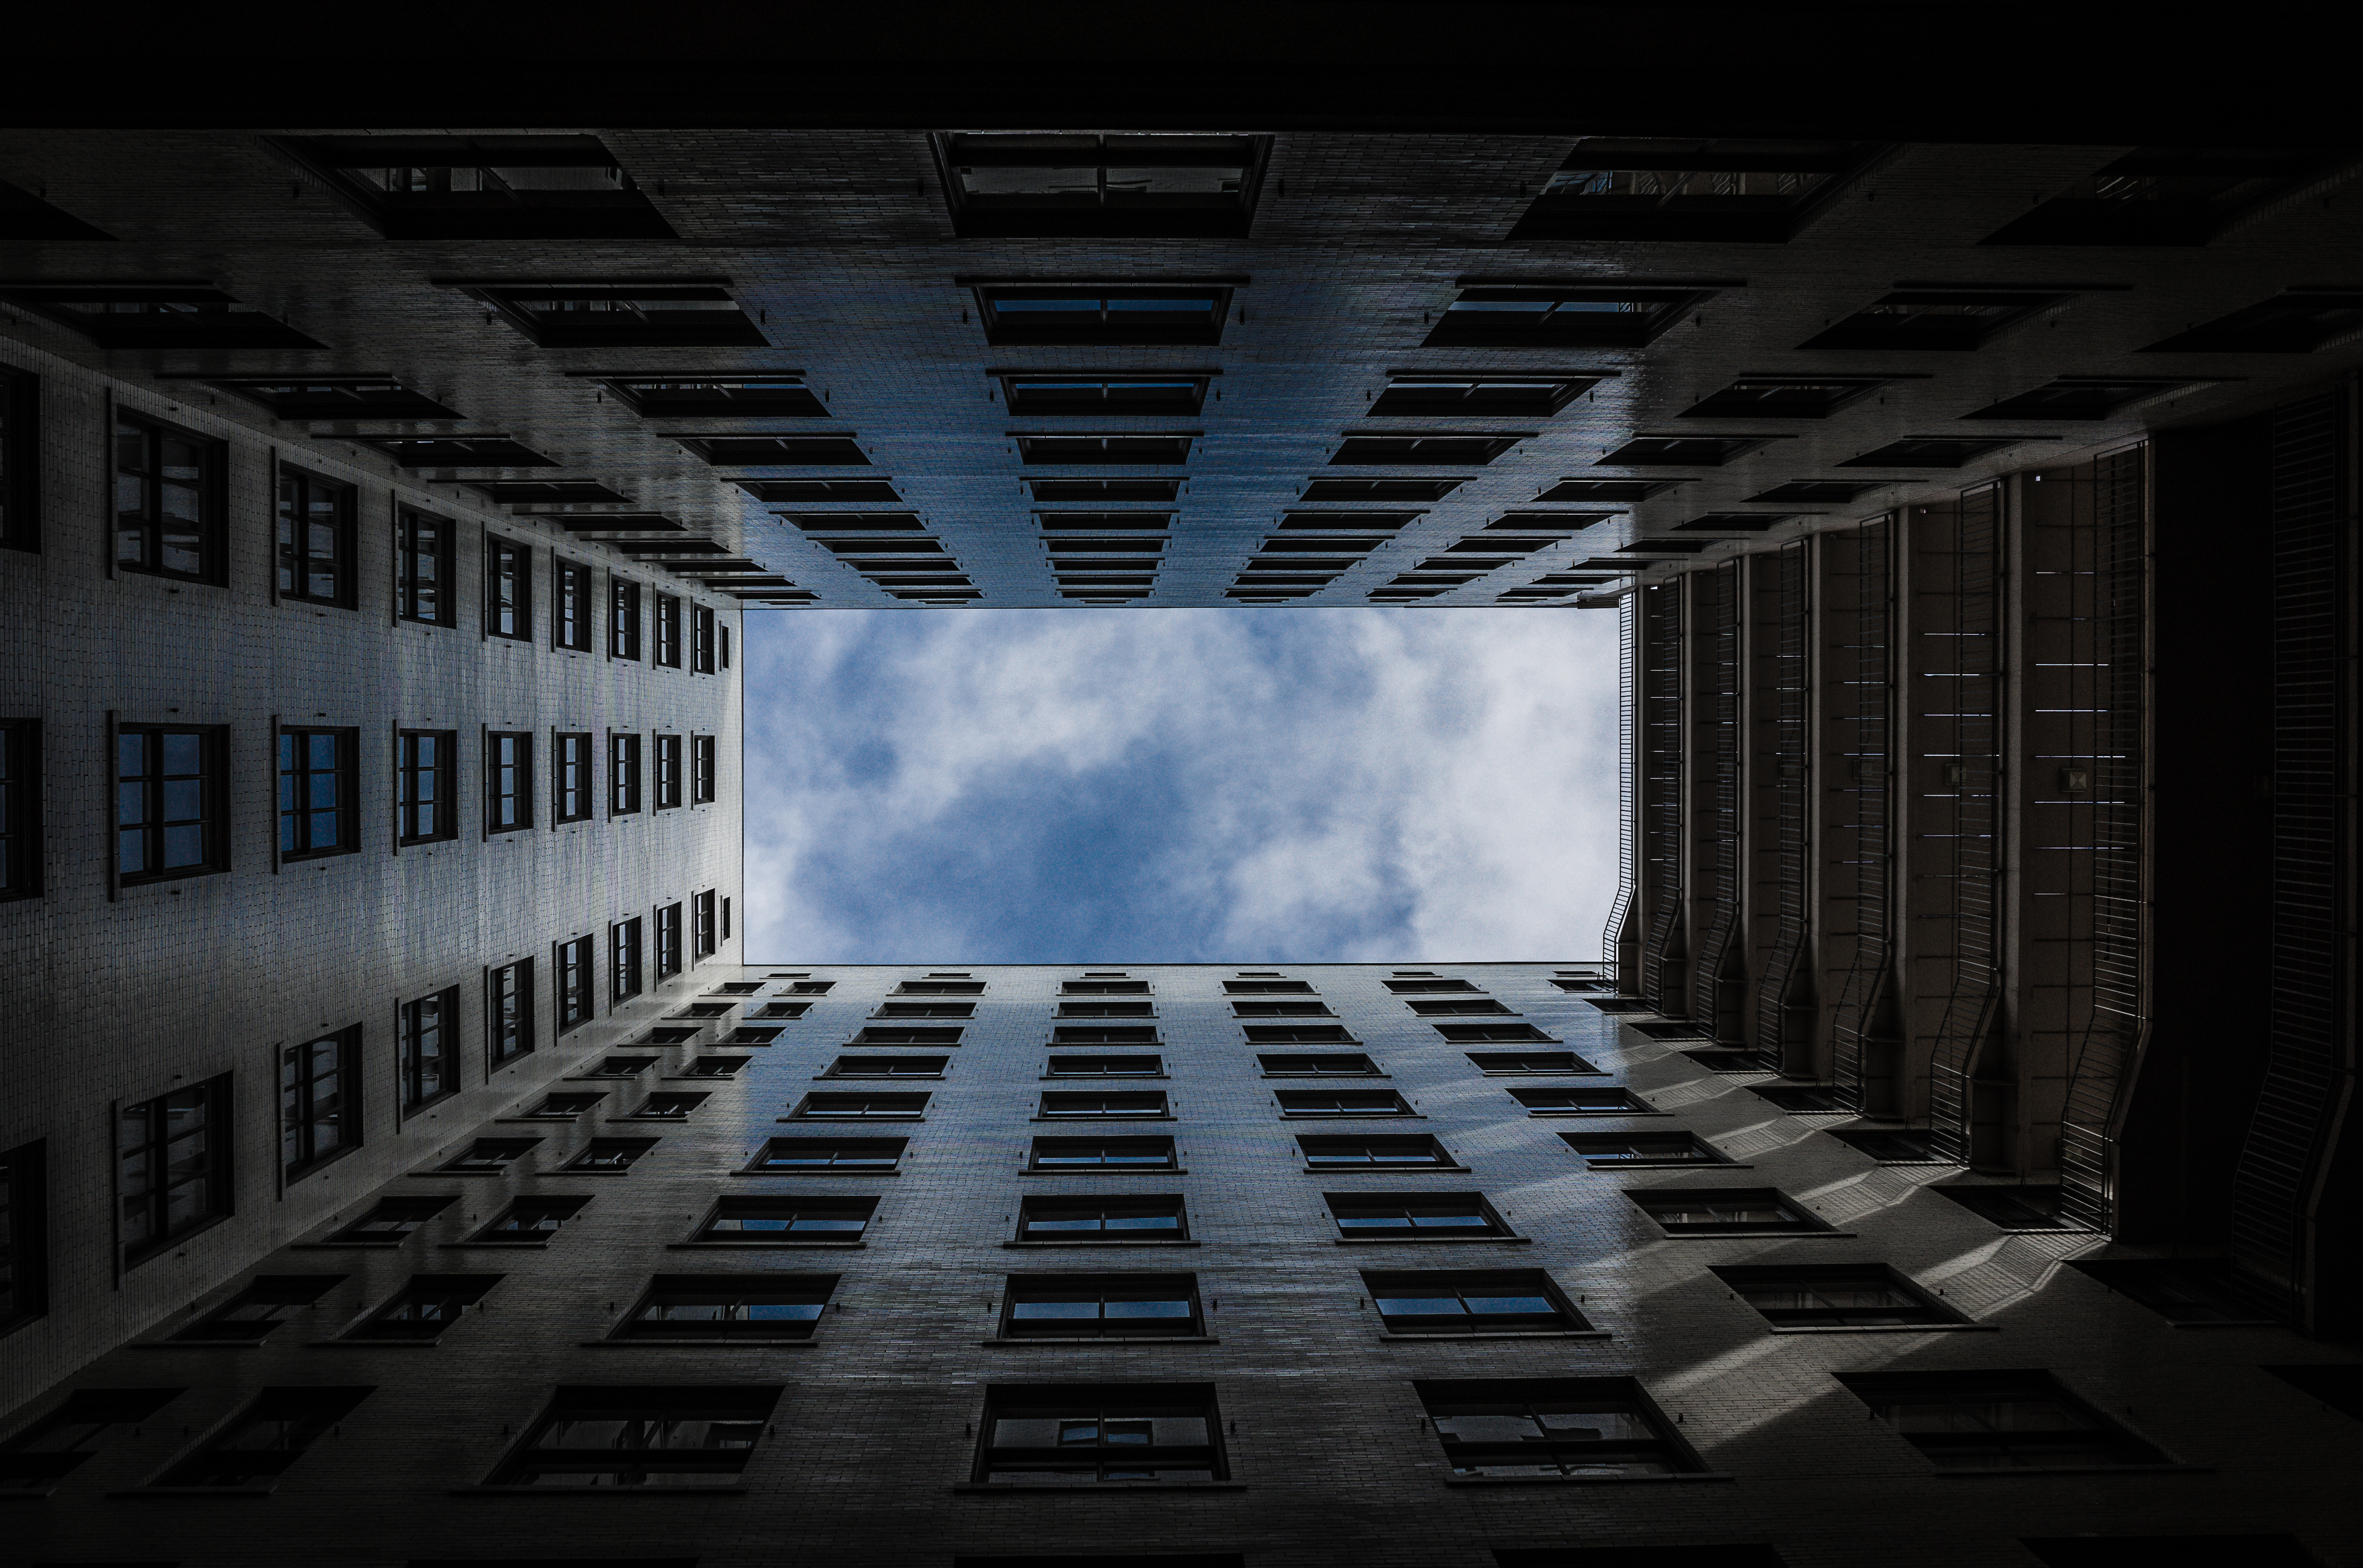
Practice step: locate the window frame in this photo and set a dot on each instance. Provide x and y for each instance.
(221, 1324)
(214, 797)
(503, 1229)
(792, 1209)
(1310, 1144)
(701, 639)
(1929, 1311)
(570, 603)
(705, 769)
(420, 1208)
(574, 999)
(409, 771)
(1583, 328)
(743, 1412)
(1226, 219)
(1377, 1205)
(585, 791)
(24, 848)
(1664, 1445)
(665, 618)
(1698, 1151)
(623, 618)
(518, 767)
(210, 490)
(508, 562)
(347, 1111)
(295, 824)
(296, 488)
(508, 997)
(1035, 1215)
(626, 955)
(302, 1415)
(1101, 1404)
(449, 1294)
(1045, 1285)
(665, 771)
(1465, 1285)
(1881, 1392)
(814, 1290)
(1802, 1222)
(439, 591)
(216, 1171)
(1064, 1155)
(866, 1153)
(704, 939)
(1107, 328)
(412, 1076)
(624, 777)
(667, 953)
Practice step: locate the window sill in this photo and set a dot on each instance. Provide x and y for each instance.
(1095, 1121)
(1351, 1116)
(1089, 1077)
(877, 1078)
(764, 1246)
(847, 1120)
(1562, 1115)
(573, 1493)
(369, 1344)
(196, 1344)
(511, 1246)
(2080, 1470)
(567, 1121)
(1557, 1073)
(1157, 1243)
(1429, 1241)
(1118, 1171)
(192, 1491)
(348, 1246)
(1383, 1170)
(815, 1173)
(988, 1487)
(1666, 1166)
(1504, 1334)
(1759, 1235)
(638, 1343)
(1885, 1328)
(569, 1173)
(1114, 1340)
(308, 856)
(1586, 1480)
(431, 1175)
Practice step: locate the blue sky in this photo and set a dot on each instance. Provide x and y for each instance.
(1129, 785)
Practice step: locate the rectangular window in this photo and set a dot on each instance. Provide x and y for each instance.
(1281, 1009)
(320, 1100)
(255, 1312)
(1100, 1305)
(1087, 1433)
(665, 771)
(1460, 1007)
(703, 755)
(489, 1156)
(887, 1067)
(570, 778)
(1104, 1106)
(36, 1458)
(1299, 1034)
(1570, 317)
(315, 539)
(333, 397)
(623, 774)
(702, 925)
(1498, 396)
(701, 639)
(573, 962)
(424, 770)
(508, 1012)
(724, 632)
(667, 631)
(1101, 1066)
(20, 461)
(1414, 1216)
(861, 1108)
(570, 615)
(169, 502)
(1947, 320)
(1838, 1296)
(1471, 1301)
(786, 1221)
(1643, 1151)
(668, 955)
(1342, 1102)
(1324, 1065)
(445, 187)
(620, 1067)
(425, 1062)
(1106, 1009)
(20, 808)
(1089, 1155)
(639, 314)
(389, 1221)
(24, 1234)
(172, 1167)
(271, 1434)
(1997, 1420)
(1724, 1211)
(1267, 988)
(531, 1220)
(508, 589)
(558, 1108)
(676, 1107)
(1099, 1220)
(623, 619)
(426, 583)
(734, 1308)
(1508, 1064)
(1482, 1033)
(1085, 314)
(828, 1156)
(1135, 184)
(640, 1436)
(423, 1309)
(317, 786)
(1376, 1154)
(624, 966)
(875, 1036)
(508, 780)
(1579, 1426)
(1665, 188)
(171, 801)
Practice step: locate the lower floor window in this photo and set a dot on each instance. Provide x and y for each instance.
(319, 1109)
(1542, 1427)
(1086, 1433)
(727, 1306)
(265, 1438)
(1997, 1420)
(1156, 1219)
(1100, 1305)
(640, 1437)
(1470, 1301)
(173, 1166)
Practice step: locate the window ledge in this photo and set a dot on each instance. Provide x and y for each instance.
(1098, 1486)
(370, 1344)
(1667, 1165)
(815, 1173)
(847, 1120)
(193, 1492)
(1884, 1328)
(539, 1121)
(2082, 1470)
(1756, 1235)
(346, 1246)
(1134, 1170)
(1557, 1073)
(198, 1344)
(1114, 1340)
(512, 1246)
(1351, 1116)
(877, 1078)
(1381, 1170)
(1323, 1078)
(638, 1341)
(569, 1173)
(762, 1247)
(426, 1176)
(1567, 1115)
(1085, 1078)
(1586, 1480)
(1159, 1244)
(1429, 1241)
(573, 1493)
(1506, 1334)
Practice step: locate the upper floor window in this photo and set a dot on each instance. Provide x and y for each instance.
(1090, 1433)
(169, 502)
(1098, 1221)
(1104, 394)
(1686, 189)
(701, 639)
(255, 1313)
(172, 1170)
(702, 769)
(320, 1100)
(508, 780)
(1471, 1301)
(623, 619)
(170, 802)
(35, 1458)
(1997, 1421)
(425, 581)
(623, 775)
(258, 1445)
(157, 316)
(2165, 195)
(702, 925)
(1591, 1427)
(665, 771)
(20, 459)
(334, 397)
(570, 614)
(724, 397)
(1472, 396)
(668, 953)
(425, 1062)
(315, 539)
(508, 589)
(641, 1436)
(508, 1011)
(1137, 184)
(483, 187)
(569, 776)
(424, 770)
(1100, 1305)
(687, 313)
(574, 960)
(1946, 320)
(1574, 316)
(1085, 314)
(624, 950)
(20, 808)
(668, 631)
(317, 792)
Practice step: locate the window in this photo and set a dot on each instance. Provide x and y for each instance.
(1135, 184)
(1475, 396)
(1997, 1420)
(508, 780)
(320, 1100)
(1342, 1102)
(640, 1437)
(619, 1067)
(570, 778)
(2012, 1207)
(389, 1221)
(172, 1167)
(667, 941)
(887, 1067)
(559, 1108)
(24, 1234)
(1785, 397)
(531, 1220)
(1570, 317)
(1095, 449)
(623, 619)
(1267, 988)
(1104, 394)
(424, 766)
(1298, 1034)
(728, 1306)
(427, 577)
(45, 1453)
(1150, 1103)
(684, 314)
(508, 1010)
(1837, 1296)
(1279, 1009)
(1682, 188)
(482, 187)
(20, 808)
(1412, 1216)
(828, 1156)
(861, 1108)
(786, 1221)
(20, 461)
(264, 1439)
(1086, 1433)
(156, 317)
(677, 1107)
(315, 539)
(719, 397)
(1082, 314)
(508, 589)
(423, 1309)
(456, 451)
(1587, 1426)
(1889, 1145)
(1724, 1211)
(256, 1312)
(1930, 452)
(1326, 1064)
(1459, 1007)
(1098, 1221)
(318, 783)
(1420, 450)
(1643, 1150)
(1480, 1033)
(1509, 1063)
(701, 639)
(1802, 1099)
(959, 985)
(1948, 320)
(945, 1009)
(1604, 1102)
(667, 631)
(425, 1060)
(623, 774)
(665, 771)
(1376, 1154)
(2084, 397)
(703, 772)
(2163, 196)
(569, 618)
(623, 961)
(1471, 1301)
(571, 960)
(616, 1156)
(2186, 1292)
(333, 397)
(170, 803)
(1100, 1305)
(1107, 1067)
(1103, 1155)
(169, 502)
(2297, 322)
(875, 1036)
(702, 925)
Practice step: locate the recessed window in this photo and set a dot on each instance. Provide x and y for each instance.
(333, 397)
(674, 1438)
(777, 451)
(425, 1054)
(1102, 987)
(1069, 450)
(2298, 322)
(786, 1221)
(2028, 1207)
(1735, 521)
(1574, 1428)
(1377, 489)
(559, 1106)
(314, 540)
(1682, 451)
(317, 785)
(926, 1009)
(1643, 1150)
(1682, 188)
(1087, 1155)
(1516, 397)
(1105, 489)
(424, 1307)
(1132, 184)
(1509, 1063)
(1997, 1420)
(1323, 1065)
(1279, 1009)
(1471, 1301)
(1451, 451)
(1898, 1145)
(262, 1440)
(1724, 1211)
(508, 589)
(531, 1220)
(1784, 397)
(1420, 1152)
(818, 489)
(1458, 1007)
(1101, 1220)
(1131, 1106)
(482, 187)
(1608, 489)
(169, 501)
(1943, 320)
(861, 1108)
(1929, 452)
(2165, 195)
(623, 774)
(1561, 317)
(687, 313)
(1106, 1009)
(172, 1167)
(1267, 988)
(157, 316)
(488, 1156)
(1092, 1035)
(320, 1100)
(1100, 1306)
(1824, 492)
(570, 614)
(1088, 1434)
(617, 1068)
(624, 956)
(35, 1458)
(546, 493)
(1107, 1067)
(1104, 394)
(887, 1067)
(427, 585)
(2186, 1292)
(713, 1067)
(455, 451)
(426, 764)
(728, 1307)
(1603, 1101)
(508, 1010)
(256, 1311)
(1341, 1102)
(1802, 1099)
(623, 618)
(1080, 314)
(1414, 1216)
(569, 776)
(389, 1221)
(2083, 397)
(875, 1035)
(828, 1156)
(613, 1156)
(1836, 1295)
(508, 780)
(1480, 1033)
(719, 397)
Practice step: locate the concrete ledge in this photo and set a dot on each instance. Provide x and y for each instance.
(573, 1493)
(636, 1343)
(1161, 1170)
(1533, 1334)
(1886, 1327)
(1102, 1243)
(764, 1246)
(512, 1246)
(1585, 1480)
(370, 1344)
(815, 1173)
(1430, 1241)
(192, 1491)
(1114, 1340)
(2082, 1470)
(1388, 1170)
(1098, 1486)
